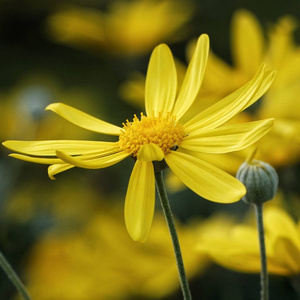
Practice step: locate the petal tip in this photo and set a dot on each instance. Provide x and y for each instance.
(50, 106)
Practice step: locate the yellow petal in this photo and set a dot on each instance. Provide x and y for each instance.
(193, 78)
(287, 254)
(150, 152)
(48, 148)
(58, 168)
(227, 138)
(83, 120)
(205, 179)
(88, 162)
(37, 160)
(234, 103)
(228, 163)
(161, 82)
(280, 224)
(247, 42)
(234, 261)
(140, 200)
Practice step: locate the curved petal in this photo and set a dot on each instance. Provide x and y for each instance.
(150, 152)
(88, 162)
(83, 120)
(234, 103)
(247, 41)
(58, 168)
(205, 179)
(193, 78)
(161, 82)
(227, 138)
(140, 201)
(48, 148)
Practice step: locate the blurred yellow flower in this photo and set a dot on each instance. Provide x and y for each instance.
(100, 261)
(161, 136)
(126, 28)
(281, 145)
(236, 247)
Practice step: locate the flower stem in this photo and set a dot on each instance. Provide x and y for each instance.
(13, 277)
(170, 221)
(264, 280)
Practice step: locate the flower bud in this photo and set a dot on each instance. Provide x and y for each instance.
(260, 180)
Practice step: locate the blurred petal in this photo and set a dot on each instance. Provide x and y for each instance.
(48, 148)
(83, 120)
(140, 201)
(280, 224)
(85, 161)
(232, 247)
(205, 179)
(150, 152)
(216, 76)
(288, 254)
(247, 42)
(161, 82)
(234, 103)
(227, 138)
(193, 78)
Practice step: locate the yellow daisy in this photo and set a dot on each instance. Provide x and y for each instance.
(160, 136)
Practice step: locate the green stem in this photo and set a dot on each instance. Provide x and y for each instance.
(264, 280)
(13, 277)
(170, 221)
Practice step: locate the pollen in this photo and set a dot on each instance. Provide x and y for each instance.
(165, 132)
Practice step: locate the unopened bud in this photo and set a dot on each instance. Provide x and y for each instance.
(260, 180)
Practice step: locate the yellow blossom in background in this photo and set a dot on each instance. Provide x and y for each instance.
(236, 247)
(279, 51)
(100, 261)
(160, 135)
(126, 28)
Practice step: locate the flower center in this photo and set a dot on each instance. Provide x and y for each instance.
(165, 132)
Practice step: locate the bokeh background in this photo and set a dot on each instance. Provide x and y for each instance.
(66, 238)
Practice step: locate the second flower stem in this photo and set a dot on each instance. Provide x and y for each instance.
(13, 277)
(264, 280)
(170, 221)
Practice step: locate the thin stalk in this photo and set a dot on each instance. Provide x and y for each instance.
(264, 279)
(14, 278)
(170, 221)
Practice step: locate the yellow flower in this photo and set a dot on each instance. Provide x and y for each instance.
(281, 146)
(127, 27)
(58, 264)
(160, 135)
(237, 246)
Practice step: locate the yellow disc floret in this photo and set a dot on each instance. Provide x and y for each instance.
(165, 132)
